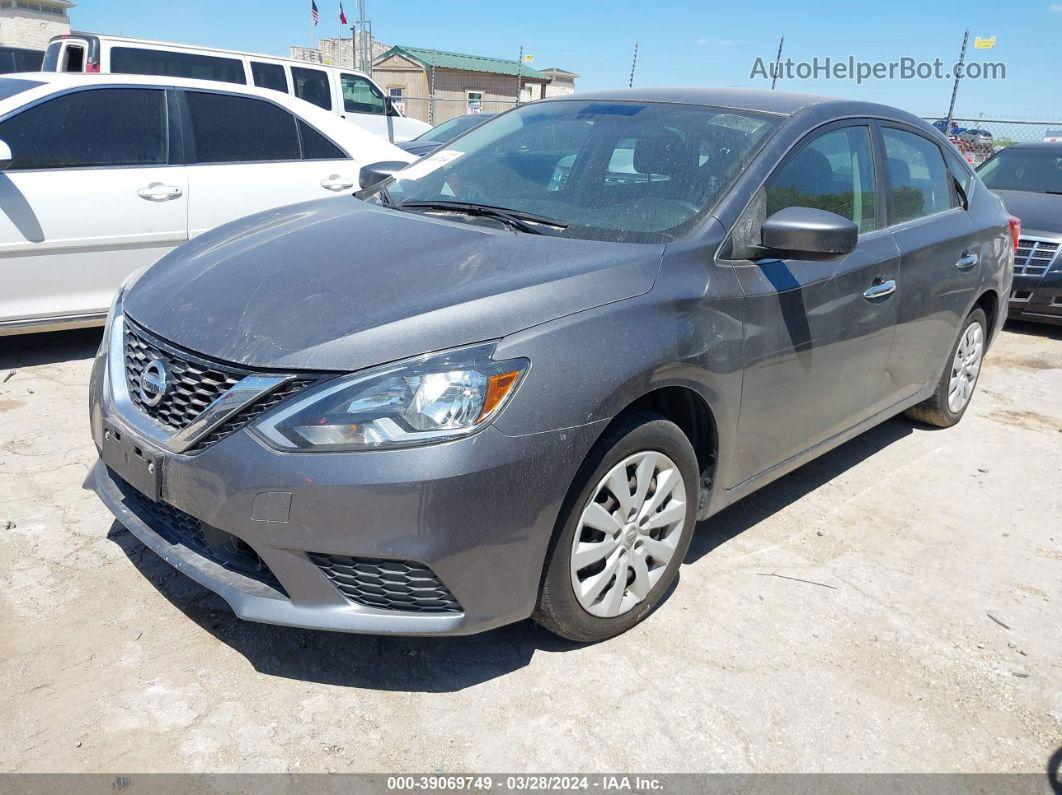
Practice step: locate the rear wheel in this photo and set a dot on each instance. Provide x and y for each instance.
(623, 531)
(956, 386)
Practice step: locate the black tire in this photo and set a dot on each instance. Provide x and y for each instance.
(935, 410)
(558, 608)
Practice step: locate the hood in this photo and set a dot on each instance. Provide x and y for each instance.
(1039, 212)
(338, 284)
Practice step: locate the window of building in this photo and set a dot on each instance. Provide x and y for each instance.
(232, 129)
(475, 101)
(93, 128)
(312, 85)
(919, 178)
(834, 172)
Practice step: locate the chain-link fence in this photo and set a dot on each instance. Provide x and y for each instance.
(979, 138)
(439, 109)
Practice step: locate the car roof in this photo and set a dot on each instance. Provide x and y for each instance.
(785, 103)
(353, 138)
(1057, 145)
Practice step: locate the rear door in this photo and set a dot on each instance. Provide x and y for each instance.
(89, 197)
(818, 332)
(940, 256)
(248, 154)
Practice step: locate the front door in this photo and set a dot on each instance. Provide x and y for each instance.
(818, 332)
(88, 198)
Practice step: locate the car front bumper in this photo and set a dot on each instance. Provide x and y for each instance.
(470, 519)
(1037, 298)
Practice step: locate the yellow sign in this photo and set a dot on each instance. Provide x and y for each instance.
(984, 44)
(529, 58)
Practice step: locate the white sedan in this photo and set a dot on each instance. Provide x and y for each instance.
(103, 174)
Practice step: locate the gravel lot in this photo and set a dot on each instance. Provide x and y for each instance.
(892, 606)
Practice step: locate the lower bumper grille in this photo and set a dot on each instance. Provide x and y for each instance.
(178, 527)
(387, 584)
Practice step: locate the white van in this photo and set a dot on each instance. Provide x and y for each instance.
(349, 94)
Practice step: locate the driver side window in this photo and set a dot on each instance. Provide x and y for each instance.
(833, 172)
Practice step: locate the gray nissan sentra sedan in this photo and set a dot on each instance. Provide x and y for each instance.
(508, 381)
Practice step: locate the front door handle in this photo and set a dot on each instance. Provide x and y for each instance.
(880, 289)
(157, 192)
(337, 183)
(967, 262)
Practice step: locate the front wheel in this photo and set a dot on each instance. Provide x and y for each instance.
(956, 386)
(623, 531)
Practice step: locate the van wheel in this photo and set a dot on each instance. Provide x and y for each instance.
(952, 396)
(623, 531)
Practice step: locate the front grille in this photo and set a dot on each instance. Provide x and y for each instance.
(1034, 257)
(194, 382)
(178, 527)
(387, 584)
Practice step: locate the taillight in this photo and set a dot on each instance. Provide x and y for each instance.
(1015, 230)
(92, 68)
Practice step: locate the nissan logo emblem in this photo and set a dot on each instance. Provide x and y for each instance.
(153, 382)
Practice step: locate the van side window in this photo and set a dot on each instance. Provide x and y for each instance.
(139, 61)
(92, 128)
(312, 85)
(920, 181)
(834, 172)
(316, 147)
(361, 96)
(269, 75)
(267, 132)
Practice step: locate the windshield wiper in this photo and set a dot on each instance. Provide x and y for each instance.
(515, 219)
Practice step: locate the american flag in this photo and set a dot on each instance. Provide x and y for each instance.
(313, 12)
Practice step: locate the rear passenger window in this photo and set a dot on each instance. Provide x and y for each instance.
(97, 127)
(269, 75)
(919, 180)
(231, 129)
(312, 85)
(316, 147)
(834, 172)
(138, 61)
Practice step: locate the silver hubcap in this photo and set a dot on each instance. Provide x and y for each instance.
(628, 533)
(965, 367)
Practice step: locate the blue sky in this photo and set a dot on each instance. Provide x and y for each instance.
(680, 41)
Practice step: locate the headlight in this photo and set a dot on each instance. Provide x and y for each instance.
(128, 282)
(429, 399)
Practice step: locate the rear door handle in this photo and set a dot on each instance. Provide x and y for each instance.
(880, 290)
(337, 183)
(967, 262)
(157, 192)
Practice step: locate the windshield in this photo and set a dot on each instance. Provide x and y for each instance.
(618, 171)
(1034, 170)
(449, 130)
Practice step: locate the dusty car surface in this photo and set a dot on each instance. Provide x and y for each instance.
(510, 382)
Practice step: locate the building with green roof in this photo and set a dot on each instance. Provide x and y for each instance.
(457, 82)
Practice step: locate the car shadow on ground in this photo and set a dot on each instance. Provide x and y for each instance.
(1054, 771)
(28, 350)
(453, 663)
(1029, 329)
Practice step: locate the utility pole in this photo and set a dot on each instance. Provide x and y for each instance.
(520, 76)
(777, 63)
(634, 63)
(955, 88)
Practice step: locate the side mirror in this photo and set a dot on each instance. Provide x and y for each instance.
(375, 173)
(805, 230)
(5, 155)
